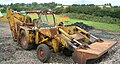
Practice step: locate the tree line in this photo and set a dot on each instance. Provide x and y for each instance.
(30, 6)
(90, 9)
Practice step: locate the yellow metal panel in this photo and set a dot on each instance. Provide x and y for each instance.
(82, 30)
(55, 45)
(36, 37)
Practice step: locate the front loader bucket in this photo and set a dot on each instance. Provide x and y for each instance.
(96, 49)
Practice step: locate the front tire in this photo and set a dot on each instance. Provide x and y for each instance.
(43, 53)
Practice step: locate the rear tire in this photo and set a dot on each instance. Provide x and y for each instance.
(24, 41)
(43, 53)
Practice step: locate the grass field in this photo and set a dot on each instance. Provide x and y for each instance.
(4, 14)
(97, 25)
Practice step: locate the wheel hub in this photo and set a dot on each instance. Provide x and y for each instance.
(41, 53)
(23, 40)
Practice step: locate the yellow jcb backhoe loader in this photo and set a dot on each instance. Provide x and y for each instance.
(49, 37)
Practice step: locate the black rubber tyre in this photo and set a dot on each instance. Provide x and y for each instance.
(43, 53)
(24, 41)
(67, 52)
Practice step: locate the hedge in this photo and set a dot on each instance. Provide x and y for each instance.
(104, 19)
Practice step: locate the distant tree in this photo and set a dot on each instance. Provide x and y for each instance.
(91, 5)
(34, 3)
(50, 5)
(110, 4)
(82, 4)
(115, 6)
(59, 10)
(75, 5)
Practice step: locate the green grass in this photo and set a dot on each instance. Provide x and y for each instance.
(97, 25)
(4, 14)
(35, 16)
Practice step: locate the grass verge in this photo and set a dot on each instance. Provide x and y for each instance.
(97, 25)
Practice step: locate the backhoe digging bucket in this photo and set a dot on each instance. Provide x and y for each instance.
(96, 49)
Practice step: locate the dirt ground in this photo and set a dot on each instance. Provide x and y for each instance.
(12, 53)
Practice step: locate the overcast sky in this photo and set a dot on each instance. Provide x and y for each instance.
(67, 2)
